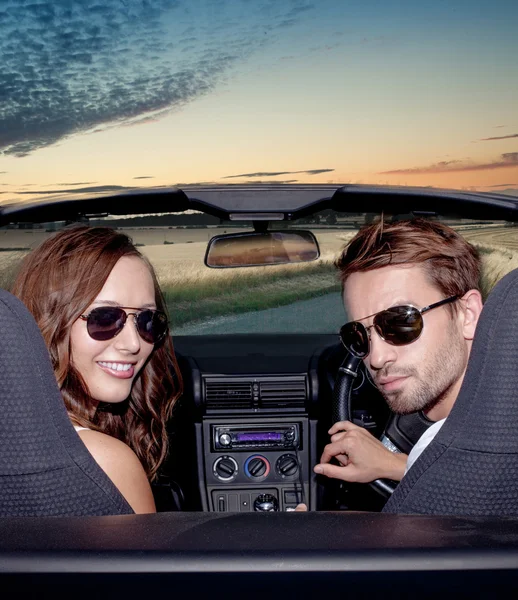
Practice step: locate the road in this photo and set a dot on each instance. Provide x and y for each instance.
(324, 314)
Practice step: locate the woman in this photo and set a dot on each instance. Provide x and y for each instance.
(98, 304)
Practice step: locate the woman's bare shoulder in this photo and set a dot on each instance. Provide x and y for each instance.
(122, 466)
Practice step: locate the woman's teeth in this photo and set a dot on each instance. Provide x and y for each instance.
(116, 366)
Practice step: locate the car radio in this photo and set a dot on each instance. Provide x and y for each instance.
(229, 437)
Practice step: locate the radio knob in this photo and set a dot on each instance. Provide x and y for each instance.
(266, 503)
(257, 467)
(287, 465)
(225, 468)
(224, 439)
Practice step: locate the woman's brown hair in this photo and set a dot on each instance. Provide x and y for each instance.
(450, 262)
(57, 282)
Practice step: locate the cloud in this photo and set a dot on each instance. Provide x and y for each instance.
(509, 159)
(145, 177)
(106, 189)
(501, 137)
(83, 190)
(501, 185)
(269, 182)
(277, 173)
(77, 183)
(182, 185)
(75, 67)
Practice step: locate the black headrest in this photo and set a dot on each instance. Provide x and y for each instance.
(45, 469)
(471, 466)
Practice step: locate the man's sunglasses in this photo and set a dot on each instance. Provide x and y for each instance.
(398, 326)
(105, 322)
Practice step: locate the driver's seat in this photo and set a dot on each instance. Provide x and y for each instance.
(45, 469)
(471, 466)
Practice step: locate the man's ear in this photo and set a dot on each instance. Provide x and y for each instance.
(471, 304)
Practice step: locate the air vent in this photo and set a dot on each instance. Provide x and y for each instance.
(228, 394)
(237, 394)
(283, 393)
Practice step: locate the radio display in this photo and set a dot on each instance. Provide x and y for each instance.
(259, 436)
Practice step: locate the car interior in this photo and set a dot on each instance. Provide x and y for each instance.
(252, 423)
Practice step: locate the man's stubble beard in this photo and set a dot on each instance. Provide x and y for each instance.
(433, 382)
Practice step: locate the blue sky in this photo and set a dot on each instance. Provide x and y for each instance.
(126, 92)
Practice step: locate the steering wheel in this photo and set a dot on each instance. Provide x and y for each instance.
(341, 409)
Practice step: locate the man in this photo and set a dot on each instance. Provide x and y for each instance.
(411, 290)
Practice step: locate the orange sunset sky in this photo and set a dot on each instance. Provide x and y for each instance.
(137, 94)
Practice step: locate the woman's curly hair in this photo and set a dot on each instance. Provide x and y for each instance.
(57, 282)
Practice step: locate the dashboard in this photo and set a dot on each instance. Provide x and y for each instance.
(254, 418)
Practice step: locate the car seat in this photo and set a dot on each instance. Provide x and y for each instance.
(45, 469)
(471, 466)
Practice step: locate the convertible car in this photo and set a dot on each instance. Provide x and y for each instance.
(255, 309)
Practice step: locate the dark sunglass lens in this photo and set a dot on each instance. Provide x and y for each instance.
(399, 325)
(105, 323)
(152, 325)
(355, 338)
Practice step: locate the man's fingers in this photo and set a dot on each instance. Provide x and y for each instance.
(301, 508)
(341, 426)
(336, 437)
(332, 471)
(343, 459)
(333, 450)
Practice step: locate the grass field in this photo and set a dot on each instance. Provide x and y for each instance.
(499, 250)
(195, 293)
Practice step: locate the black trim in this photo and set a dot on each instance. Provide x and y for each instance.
(289, 201)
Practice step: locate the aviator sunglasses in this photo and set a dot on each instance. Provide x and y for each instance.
(398, 326)
(105, 322)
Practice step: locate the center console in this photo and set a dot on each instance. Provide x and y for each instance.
(259, 465)
(258, 457)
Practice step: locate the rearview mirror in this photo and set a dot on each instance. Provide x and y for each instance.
(260, 249)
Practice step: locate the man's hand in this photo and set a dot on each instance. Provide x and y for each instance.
(362, 457)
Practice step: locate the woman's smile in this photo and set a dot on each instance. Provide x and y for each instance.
(118, 369)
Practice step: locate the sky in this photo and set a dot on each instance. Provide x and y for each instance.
(114, 94)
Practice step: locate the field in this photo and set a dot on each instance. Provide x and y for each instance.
(499, 250)
(193, 292)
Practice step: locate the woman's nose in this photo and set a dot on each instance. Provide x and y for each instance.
(128, 339)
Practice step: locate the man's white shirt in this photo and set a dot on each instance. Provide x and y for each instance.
(423, 442)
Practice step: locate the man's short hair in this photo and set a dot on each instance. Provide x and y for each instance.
(449, 261)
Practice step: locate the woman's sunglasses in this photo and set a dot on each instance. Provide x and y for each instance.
(398, 326)
(105, 322)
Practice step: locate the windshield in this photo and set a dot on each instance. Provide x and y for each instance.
(131, 93)
(293, 298)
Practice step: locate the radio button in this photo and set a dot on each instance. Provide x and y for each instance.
(225, 439)
(257, 467)
(287, 465)
(225, 468)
